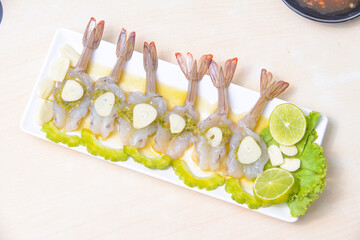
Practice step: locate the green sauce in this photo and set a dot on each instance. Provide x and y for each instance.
(126, 112)
(69, 105)
(190, 125)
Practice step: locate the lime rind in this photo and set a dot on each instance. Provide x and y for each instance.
(94, 147)
(55, 135)
(209, 183)
(287, 124)
(161, 162)
(233, 187)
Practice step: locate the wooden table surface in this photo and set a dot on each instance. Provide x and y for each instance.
(48, 192)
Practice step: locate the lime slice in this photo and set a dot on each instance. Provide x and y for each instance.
(274, 186)
(287, 124)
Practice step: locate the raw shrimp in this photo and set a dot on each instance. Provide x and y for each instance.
(210, 157)
(269, 89)
(128, 134)
(104, 125)
(174, 145)
(69, 114)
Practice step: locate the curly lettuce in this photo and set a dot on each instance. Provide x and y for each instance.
(161, 162)
(312, 173)
(240, 196)
(209, 183)
(55, 135)
(94, 147)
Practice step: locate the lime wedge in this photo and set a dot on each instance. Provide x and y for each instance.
(287, 124)
(274, 186)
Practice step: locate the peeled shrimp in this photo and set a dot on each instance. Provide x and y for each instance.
(105, 125)
(174, 145)
(210, 158)
(70, 119)
(138, 137)
(269, 89)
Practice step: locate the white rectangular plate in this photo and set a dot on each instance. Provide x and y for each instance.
(241, 100)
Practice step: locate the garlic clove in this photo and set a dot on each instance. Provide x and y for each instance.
(289, 150)
(249, 151)
(59, 68)
(177, 123)
(214, 136)
(72, 91)
(291, 164)
(68, 52)
(44, 111)
(275, 155)
(104, 104)
(45, 88)
(143, 115)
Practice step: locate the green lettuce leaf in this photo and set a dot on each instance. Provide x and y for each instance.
(55, 135)
(240, 196)
(95, 148)
(312, 173)
(161, 162)
(209, 183)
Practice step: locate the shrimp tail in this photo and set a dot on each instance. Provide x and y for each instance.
(223, 77)
(189, 66)
(124, 50)
(91, 40)
(269, 89)
(221, 80)
(150, 65)
(192, 72)
(125, 45)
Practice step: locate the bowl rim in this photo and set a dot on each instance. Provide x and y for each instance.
(302, 11)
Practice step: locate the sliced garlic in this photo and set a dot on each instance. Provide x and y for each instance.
(289, 150)
(68, 52)
(143, 115)
(72, 91)
(104, 104)
(291, 164)
(45, 88)
(44, 112)
(59, 68)
(177, 123)
(249, 151)
(275, 155)
(214, 136)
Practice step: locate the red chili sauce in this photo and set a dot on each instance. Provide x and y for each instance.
(329, 6)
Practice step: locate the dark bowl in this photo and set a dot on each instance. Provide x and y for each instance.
(1, 12)
(326, 18)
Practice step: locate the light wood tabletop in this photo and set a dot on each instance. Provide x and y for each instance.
(49, 192)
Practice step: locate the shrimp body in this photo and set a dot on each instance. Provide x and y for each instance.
(211, 157)
(269, 90)
(100, 125)
(171, 144)
(138, 137)
(174, 145)
(104, 125)
(70, 117)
